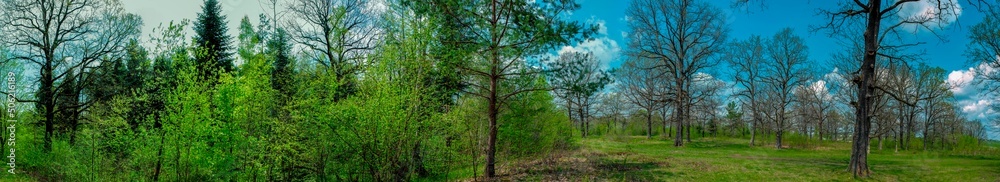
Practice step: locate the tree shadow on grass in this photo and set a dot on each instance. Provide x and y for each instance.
(587, 166)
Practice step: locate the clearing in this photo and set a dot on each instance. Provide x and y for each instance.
(725, 159)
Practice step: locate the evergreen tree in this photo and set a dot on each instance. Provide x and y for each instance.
(211, 37)
(281, 77)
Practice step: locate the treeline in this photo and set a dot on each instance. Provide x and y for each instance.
(343, 91)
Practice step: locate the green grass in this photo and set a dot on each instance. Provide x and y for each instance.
(727, 159)
(712, 159)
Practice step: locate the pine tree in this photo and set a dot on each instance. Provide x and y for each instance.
(211, 37)
(283, 66)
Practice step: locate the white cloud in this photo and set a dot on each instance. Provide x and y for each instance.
(978, 107)
(819, 86)
(603, 48)
(929, 10)
(624, 35)
(968, 97)
(960, 80)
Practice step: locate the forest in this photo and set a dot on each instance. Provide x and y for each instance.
(471, 90)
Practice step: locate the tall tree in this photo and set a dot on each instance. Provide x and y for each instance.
(60, 37)
(684, 36)
(746, 57)
(210, 36)
(872, 14)
(338, 34)
(502, 34)
(642, 87)
(786, 70)
(984, 50)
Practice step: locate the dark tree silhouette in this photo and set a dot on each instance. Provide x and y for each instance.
(210, 36)
(65, 40)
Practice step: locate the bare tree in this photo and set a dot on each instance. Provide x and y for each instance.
(65, 40)
(873, 14)
(816, 101)
(745, 58)
(984, 51)
(641, 86)
(684, 36)
(786, 70)
(340, 32)
(614, 107)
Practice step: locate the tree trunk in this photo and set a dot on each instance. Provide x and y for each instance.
(928, 123)
(663, 118)
(779, 129)
(492, 141)
(649, 125)
(881, 142)
(688, 122)
(583, 127)
(753, 131)
(703, 128)
(46, 100)
(583, 121)
(777, 141)
(819, 129)
(673, 118)
(679, 138)
(859, 157)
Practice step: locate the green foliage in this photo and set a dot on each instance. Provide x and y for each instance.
(533, 125)
(159, 118)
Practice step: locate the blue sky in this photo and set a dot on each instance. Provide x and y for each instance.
(800, 15)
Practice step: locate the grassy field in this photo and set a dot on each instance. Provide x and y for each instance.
(724, 159)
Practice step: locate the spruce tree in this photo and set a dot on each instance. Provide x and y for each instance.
(281, 77)
(211, 38)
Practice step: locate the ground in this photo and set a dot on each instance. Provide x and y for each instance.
(723, 159)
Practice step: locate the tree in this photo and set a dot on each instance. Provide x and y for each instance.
(501, 34)
(284, 65)
(614, 106)
(705, 102)
(60, 37)
(338, 34)
(873, 14)
(210, 30)
(984, 50)
(577, 78)
(816, 102)
(746, 57)
(683, 36)
(783, 73)
(642, 87)
(735, 117)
